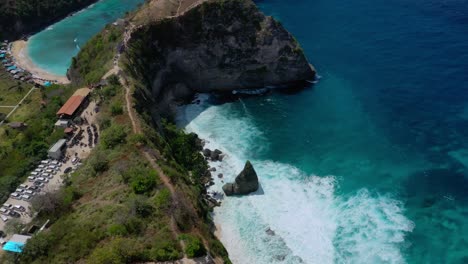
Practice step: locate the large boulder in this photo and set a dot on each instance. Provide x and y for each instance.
(245, 183)
(215, 155)
(207, 153)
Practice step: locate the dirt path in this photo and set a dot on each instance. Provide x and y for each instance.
(150, 158)
(128, 100)
(137, 129)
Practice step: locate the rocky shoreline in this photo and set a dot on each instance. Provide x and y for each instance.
(245, 183)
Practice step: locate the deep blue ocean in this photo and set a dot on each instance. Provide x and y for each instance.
(369, 165)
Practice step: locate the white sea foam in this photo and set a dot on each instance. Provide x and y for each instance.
(312, 221)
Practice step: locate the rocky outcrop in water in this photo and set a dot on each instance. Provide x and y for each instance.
(216, 46)
(245, 183)
(215, 155)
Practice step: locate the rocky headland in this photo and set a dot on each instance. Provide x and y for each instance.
(213, 46)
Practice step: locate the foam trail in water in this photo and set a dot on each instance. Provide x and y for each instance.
(311, 222)
(76, 43)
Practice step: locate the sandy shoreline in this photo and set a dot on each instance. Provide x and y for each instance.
(19, 53)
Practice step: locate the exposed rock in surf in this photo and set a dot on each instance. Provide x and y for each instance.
(206, 152)
(212, 169)
(215, 155)
(199, 143)
(270, 232)
(221, 157)
(220, 175)
(245, 183)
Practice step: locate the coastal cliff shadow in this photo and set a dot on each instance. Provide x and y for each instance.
(260, 191)
(220, 98)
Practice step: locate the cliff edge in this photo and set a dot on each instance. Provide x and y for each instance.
(215, 46)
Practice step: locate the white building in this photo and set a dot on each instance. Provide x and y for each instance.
(62, 123)
(56, 151)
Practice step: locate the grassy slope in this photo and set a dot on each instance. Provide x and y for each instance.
(116, 199)
(104, 212)
(95, 58)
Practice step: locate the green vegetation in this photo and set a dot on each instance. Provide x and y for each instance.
(193, 246)
(95, 58)
(119, 215)
(113, 136)
(22, 16)
(115, 208)
(144, 181)
(116, 199)
(116, 109)
(21, 149)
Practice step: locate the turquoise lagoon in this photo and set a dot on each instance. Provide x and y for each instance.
(53, 48)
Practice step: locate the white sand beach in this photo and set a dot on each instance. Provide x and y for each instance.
(19, 53)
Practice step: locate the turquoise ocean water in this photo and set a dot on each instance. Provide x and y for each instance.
(369, 165)
(53, 48)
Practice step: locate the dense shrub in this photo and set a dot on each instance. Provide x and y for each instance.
(116, 109)
(141, 179)
(118, 251)
(117, 230)
(185, 149)
(144, 183)
(139, 206)
(113, 80)
(113, 136)
(164, 250)
(36, 247)
(193, 246)
(98, 162)
(162, 199)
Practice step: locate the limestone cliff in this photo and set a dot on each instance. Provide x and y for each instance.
(216, 46)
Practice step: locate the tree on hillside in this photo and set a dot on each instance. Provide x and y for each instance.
(14, 226)
(48, 203)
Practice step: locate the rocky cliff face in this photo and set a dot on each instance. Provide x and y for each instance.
(217, 46)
